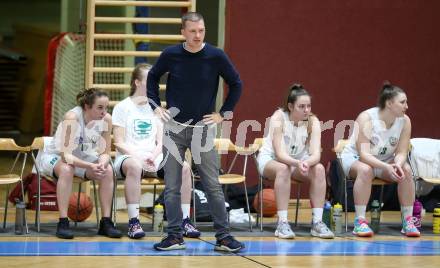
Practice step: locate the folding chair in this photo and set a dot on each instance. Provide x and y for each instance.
(376, 181)
(11, 178)
(258, 142)
(224, 146)
(38, 144)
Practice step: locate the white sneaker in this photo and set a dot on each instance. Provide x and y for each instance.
(283, 231)
(319, 229)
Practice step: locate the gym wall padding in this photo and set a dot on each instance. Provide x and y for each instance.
(341, 51)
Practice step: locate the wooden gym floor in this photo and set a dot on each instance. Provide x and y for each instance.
(387, 249)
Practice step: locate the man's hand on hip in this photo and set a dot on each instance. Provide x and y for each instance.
(213, 118)
(163, 113)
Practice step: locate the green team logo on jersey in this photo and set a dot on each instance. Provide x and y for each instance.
(53, 161)
(142, 126)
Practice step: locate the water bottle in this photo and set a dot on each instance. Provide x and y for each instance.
(417, 213)
(337, 218)
(20, 207)
(327, 214)
(436, 220)
(158, 218)
(375, 216)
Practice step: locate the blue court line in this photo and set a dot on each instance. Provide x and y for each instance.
(201, 248)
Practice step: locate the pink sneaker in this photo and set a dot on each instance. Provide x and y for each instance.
(361, 228)
(408, 227)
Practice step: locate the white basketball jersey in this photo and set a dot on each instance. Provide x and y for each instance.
(383, 141)
(294, 137)
(87, 142)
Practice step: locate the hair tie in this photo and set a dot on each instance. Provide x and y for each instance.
(387, 84)
(296, 86)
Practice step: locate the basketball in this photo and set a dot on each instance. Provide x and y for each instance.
(269, 203)
(84, 210)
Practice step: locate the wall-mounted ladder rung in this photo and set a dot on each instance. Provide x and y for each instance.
(120, 86)
(92, 36)
(116, 53)
(143, 3)
(113, 69)
(138, 20)
(160, 37)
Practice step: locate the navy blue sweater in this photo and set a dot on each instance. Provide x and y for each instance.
(192, 81)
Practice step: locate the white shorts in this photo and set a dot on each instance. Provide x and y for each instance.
(348, 160)
(264, 158)
(121, 158)
(48, 162)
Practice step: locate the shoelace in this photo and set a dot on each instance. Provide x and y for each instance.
(135, 226)
(230, 241)
(165, 238)
(227, 240)
(322, 227)
(190, 227)
(285, 226)
(410, 221)
(363, 223)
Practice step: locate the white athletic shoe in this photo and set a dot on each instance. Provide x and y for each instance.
(284, 231)
(319, 229)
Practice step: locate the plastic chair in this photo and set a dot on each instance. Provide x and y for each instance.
(9, 145)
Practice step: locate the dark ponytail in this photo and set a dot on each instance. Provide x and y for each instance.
(88, 96)
(295, 91)
(388, 92)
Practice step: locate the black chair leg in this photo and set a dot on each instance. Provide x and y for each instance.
(154, 200)
(298, 193)
(77, 205)
(6, 206)
(260, 200)
(346, 204)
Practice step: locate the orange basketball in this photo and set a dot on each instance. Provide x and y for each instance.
(84, 210)
(269, 202)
